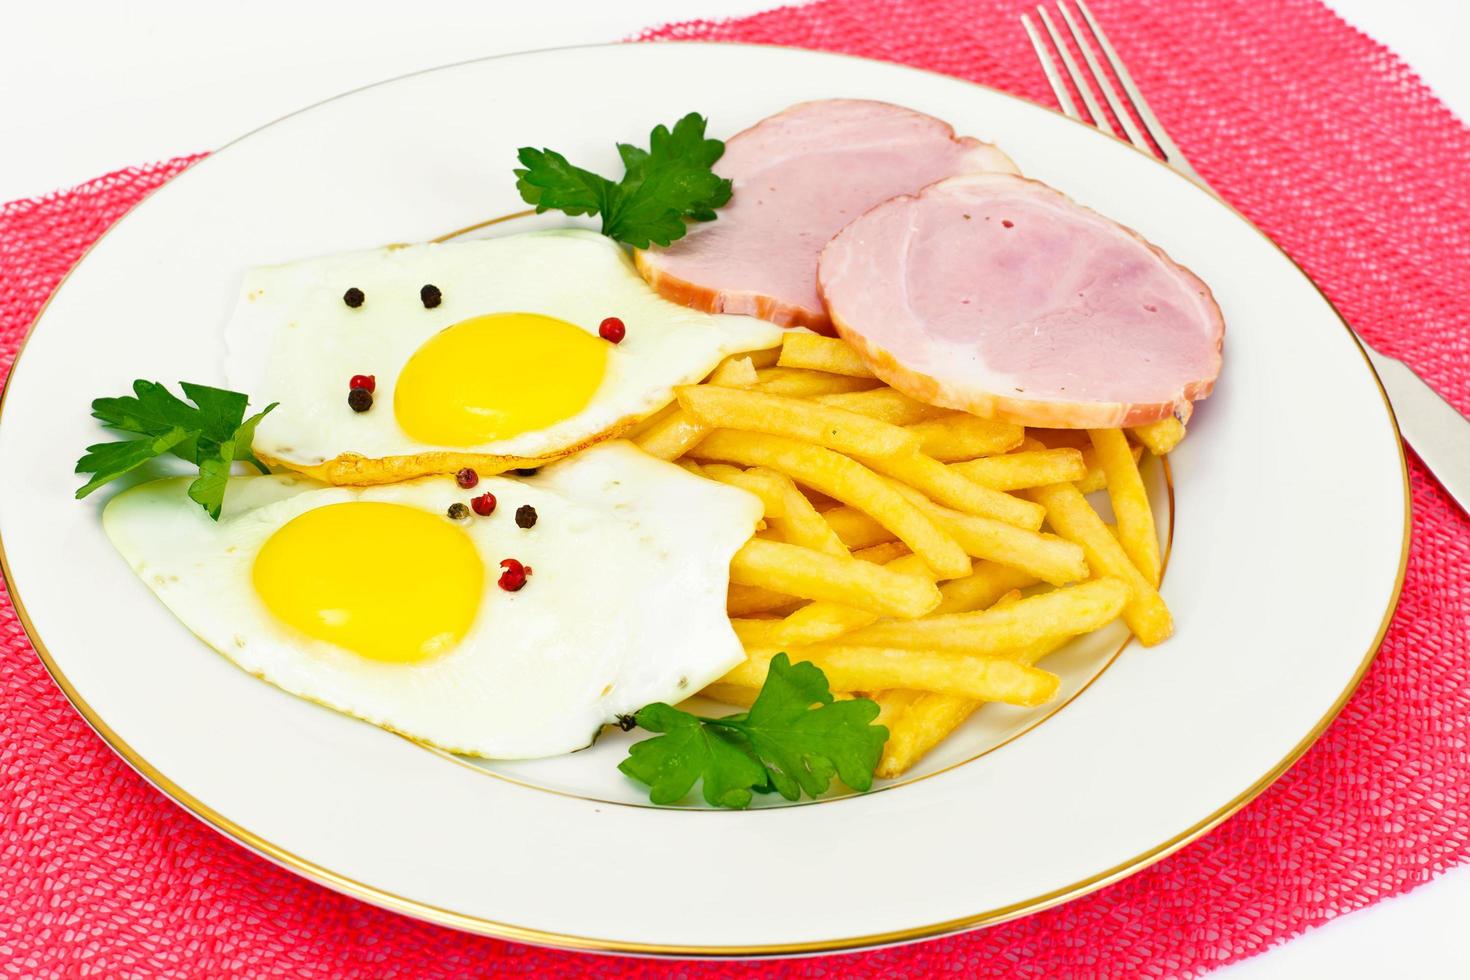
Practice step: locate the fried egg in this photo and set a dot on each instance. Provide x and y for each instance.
(484, 354)
(374, 602)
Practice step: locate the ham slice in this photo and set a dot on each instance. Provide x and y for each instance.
(800, 176)
(1002, 297)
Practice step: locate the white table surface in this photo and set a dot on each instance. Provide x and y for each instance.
(87, 88)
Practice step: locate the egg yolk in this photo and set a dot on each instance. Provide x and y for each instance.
(386, 581)
(495, 376)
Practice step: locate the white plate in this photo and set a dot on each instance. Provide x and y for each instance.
(1288, 553)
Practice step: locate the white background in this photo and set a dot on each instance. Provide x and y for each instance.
(87, 88)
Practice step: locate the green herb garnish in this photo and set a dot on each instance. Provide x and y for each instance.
(212, 433)
(793, 740)
(661, 186)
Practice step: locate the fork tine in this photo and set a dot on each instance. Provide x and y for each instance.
(1120, 112)
(1160, 136)
(1049, 68)
(1099, 118)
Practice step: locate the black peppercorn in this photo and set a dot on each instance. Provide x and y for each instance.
(360, 399)
(458, 512)
(353, 297)
(431, 296)
(525, 516)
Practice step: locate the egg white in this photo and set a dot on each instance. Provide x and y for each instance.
(626, 604)
(293, 340)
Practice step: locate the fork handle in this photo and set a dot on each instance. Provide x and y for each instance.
(1439, 435)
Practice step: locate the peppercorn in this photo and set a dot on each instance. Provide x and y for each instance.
(527, 471)
(467, 478)
(513, 579)
(484, 504)
(353, 297)
(525, 516)
(431, 296)
(612, 330)
(368, 381)
(458, 512)
(360, 399)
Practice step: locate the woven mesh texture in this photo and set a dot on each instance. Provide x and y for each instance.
(1322, 137)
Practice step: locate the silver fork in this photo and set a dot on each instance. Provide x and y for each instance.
(1439, 434)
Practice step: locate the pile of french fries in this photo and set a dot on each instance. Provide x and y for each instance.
(897, 537)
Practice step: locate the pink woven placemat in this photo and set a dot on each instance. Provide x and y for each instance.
(1321, 136)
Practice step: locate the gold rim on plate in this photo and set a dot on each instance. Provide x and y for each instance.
(502, 930)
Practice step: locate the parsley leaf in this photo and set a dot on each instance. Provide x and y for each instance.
(688, 751)
(793, 740)
(212, 433)
(661, 187)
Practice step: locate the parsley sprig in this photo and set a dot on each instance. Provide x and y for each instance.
(212, 433)
(793, 740)
(661, 187)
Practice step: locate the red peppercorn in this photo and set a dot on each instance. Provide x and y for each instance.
(513, 579)
(467, 478)
(612, 330)
(484, 504)
(367, 382)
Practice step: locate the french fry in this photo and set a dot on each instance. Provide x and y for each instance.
(799, 522)
(772, 494)
(795, 418)
(883, 553)
(944, 486)
(1041, 648)
(862, 668)
(962, 436)
(1003, 631)
(1136, 531)
(675, 433)
(813, 574)
(926, 720)
(736, 371)
(648, 422)
(921, 721)
(1048, 557)
(817, 353)
(672, 437)
(1071, 516)
(892, 705)
(885, 404)
(980, 589)
(762, 358)
(1038, 650)
(742, 697)
(748, 600)
(801, 383)
(1017, 471)
(1096, 479)
(856, 529)
(818, 622)
(1160, 437)
(846, 480)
